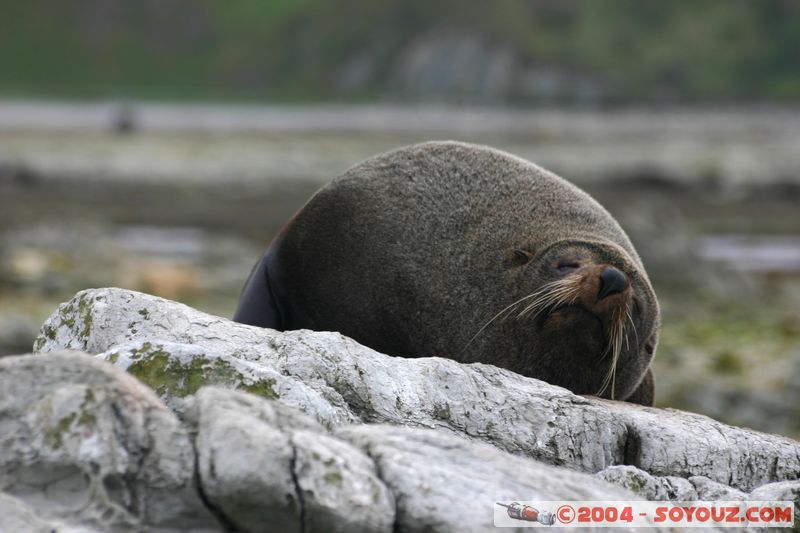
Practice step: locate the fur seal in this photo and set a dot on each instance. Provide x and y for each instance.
(463, 251)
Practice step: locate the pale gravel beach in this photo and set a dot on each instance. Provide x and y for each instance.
(215, 143)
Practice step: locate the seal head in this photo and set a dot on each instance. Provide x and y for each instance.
(462, 251)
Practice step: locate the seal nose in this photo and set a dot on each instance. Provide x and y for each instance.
(612, 281)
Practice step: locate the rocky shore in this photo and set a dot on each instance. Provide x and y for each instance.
(140, 412)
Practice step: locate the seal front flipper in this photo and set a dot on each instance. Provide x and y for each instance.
(257, 304)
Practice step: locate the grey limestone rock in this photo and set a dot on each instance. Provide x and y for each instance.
(338, 381)
(273, 465)
(672, 488)
(310, 431)
(16, 516)
(782, 490)
(85, 447)
(79, 439)
(668, 488)
(446, 483)
(262, 463)
(708, 489)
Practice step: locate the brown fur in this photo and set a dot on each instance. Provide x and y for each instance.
(421, 252)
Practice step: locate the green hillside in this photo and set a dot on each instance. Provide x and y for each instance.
(606, 52)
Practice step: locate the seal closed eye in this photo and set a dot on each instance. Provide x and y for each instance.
(462, 251)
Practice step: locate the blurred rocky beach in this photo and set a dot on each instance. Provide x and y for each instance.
(180, 200)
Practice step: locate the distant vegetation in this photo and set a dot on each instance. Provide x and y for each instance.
(601, 52)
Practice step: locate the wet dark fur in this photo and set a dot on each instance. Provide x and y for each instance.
(422, 252)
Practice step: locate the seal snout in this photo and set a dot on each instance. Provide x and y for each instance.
(612, 281)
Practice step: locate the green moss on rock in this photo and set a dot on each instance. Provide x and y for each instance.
(84, 417)
(87, 417)
(263, 388)
(334, 478)
(85, 315)
(74, 313)
(635, 483)
(67, 314)
(38, 344)
(156, 368)
(55, 435)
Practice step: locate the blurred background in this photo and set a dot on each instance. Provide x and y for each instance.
(158, 145)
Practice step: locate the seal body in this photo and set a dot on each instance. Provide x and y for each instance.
(462, 251)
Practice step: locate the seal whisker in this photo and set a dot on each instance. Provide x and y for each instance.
(553, 295)
(540, 304)
(624, 329)
(607, 377)
(617, 353)
(630, 318)
(508, 308)
(614, 346)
